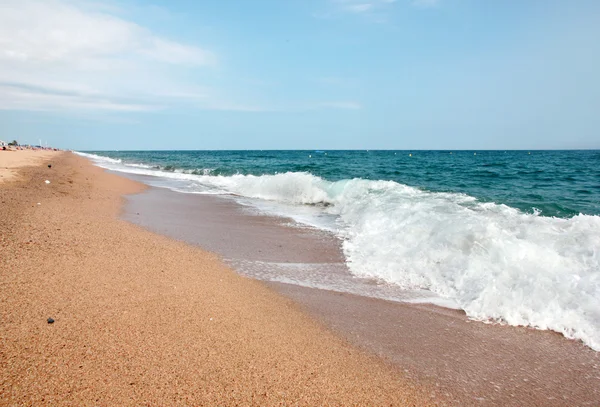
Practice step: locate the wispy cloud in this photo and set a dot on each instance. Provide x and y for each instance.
(55, 31)
(86, 57)
(374, 9)
(290, 107)
(358, 8)
(231, 107)
(425, 3)
(16, 96)
(72, 55)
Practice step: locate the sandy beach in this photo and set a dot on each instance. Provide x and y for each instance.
(12, 160)
(140, 319)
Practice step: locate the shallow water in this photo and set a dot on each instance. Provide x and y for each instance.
(465, 363)
(555, 183)
(506, 236)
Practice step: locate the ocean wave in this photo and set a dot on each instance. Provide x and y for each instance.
(496, 262)
(98, 159)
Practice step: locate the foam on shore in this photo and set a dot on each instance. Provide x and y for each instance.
(496, 262)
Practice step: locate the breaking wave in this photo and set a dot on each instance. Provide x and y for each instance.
(496, 262)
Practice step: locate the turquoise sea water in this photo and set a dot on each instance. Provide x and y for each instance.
(511, 236)
(555, 183)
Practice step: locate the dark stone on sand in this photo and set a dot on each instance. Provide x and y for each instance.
(49, 165)
(50, 321)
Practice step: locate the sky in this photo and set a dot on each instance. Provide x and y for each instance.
(301, 74)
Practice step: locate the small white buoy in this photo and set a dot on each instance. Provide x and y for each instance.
(410, 155)
(474, 153)
(47, 182)
(309, 156)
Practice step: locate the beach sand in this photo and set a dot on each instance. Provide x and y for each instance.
(141, 319)
(11, 160)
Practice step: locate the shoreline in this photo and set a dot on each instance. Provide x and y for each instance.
(472, 362)
(258, 245)
(141, 318)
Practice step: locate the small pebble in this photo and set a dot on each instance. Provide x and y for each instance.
(50, 321)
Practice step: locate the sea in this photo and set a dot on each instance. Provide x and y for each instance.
(511, 237)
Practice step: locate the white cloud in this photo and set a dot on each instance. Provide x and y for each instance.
(425, 3)
(53, 31)
(80, 56)
(376, 11)
(71, 55)
(30, 98)
(361, 6)
(174, 53)
(238, 107)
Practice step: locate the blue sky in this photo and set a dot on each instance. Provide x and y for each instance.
(277, 74)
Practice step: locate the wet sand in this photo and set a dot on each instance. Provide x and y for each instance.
(141, 319)
(470, 363)
(264, 247)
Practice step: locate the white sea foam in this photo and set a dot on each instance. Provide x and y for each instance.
(99, 159)
(496, 262)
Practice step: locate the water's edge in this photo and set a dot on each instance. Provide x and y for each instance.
(493, 261)
(469, 362)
